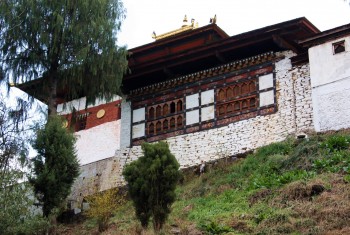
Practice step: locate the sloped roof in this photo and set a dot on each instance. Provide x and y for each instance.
(209, 46)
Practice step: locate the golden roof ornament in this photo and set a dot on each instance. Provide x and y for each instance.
(185, 27)
(213, 20)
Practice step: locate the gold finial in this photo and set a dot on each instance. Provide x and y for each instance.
(183, 28)
(154, 35)
(213, 20)
(184, 21)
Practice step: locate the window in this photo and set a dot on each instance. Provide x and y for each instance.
(80, 123)
(151, 129)
(234, 99)
(165, 117)
(151, 113)
(338, 47)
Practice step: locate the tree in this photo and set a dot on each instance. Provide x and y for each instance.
(152, 180)
(68, 45)
(17, 213)
(55, 166)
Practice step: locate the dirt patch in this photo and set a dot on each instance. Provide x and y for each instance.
(260, 195)
(315, 209)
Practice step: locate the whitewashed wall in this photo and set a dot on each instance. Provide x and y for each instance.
(330, 79)
(125, 131)
(98, 142)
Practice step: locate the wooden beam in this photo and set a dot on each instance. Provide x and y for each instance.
(220, 57)
(284, 43)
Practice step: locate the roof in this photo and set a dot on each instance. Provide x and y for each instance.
(190, 51)
(209, 46)
(325, 36)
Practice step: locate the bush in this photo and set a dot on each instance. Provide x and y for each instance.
(56, 165)
(336, 142)
(102, 205)
(152, 180)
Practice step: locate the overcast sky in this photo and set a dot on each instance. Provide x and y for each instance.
(233, 16)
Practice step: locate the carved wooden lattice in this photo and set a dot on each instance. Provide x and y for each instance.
(165, 117)
(236, 98)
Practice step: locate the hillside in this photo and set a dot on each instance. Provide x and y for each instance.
(291, 187)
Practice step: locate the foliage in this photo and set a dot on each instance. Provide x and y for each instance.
(18, 215)
(68, 44)
(152, 180)
(102, 205)
(13, 144)
(56, 165)
(17, 212)
(336, 157)
(214, 228)
(336, 142)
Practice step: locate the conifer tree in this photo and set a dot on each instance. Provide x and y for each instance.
(55, 166)
(68, 45)
(152, 181)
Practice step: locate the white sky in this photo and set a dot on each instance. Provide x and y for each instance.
(233, 16)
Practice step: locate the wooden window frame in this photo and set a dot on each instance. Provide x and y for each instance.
(172, 111)
(240, 102)
(337, 45)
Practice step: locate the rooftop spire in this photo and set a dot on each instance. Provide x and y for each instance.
(185, 26)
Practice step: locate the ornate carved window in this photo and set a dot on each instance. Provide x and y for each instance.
(158, 111)
(151, 129)
(165, 109)
(165, 117)
(237, 98)
(151, 113)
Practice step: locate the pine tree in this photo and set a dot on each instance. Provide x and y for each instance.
(55, 166)
(152, 181)
(68, 45)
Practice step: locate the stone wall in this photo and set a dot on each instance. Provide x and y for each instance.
(95, 177)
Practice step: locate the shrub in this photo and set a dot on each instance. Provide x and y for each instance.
(55, 166)
(214, 228)
(102, 205)
(336, 142)
(152, 180)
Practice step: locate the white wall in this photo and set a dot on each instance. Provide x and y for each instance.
(125, 131)
(98, 143)
(330, 79)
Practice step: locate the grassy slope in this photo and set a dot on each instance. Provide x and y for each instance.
(291, 187)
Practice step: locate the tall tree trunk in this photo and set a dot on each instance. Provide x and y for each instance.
(52, 96)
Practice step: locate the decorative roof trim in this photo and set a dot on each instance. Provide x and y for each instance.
(239, 64)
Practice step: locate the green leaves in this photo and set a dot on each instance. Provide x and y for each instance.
(70, 41)
(56, 165)
(152, 180)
